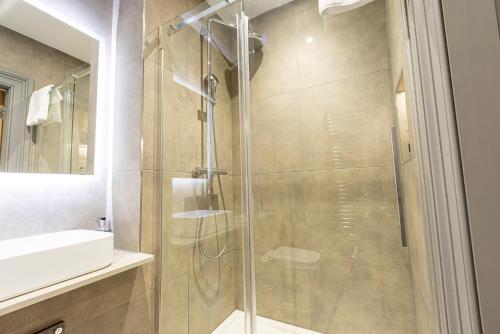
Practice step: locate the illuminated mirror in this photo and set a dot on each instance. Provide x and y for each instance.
(48, 89)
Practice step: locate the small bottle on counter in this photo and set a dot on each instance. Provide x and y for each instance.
(103, 224)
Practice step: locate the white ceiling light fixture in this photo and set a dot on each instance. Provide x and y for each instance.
(333, 7)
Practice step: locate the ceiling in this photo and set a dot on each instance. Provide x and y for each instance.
(256, 7)
(253, 8)
(46, 29)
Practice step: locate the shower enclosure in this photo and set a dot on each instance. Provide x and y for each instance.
(279, 205)
(63, 146)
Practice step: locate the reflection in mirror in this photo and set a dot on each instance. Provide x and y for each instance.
(48, 82)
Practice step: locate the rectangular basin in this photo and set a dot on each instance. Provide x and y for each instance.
(31, 263)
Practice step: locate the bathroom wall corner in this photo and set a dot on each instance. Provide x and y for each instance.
(126, 170)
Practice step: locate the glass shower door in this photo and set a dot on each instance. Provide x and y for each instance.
(328, 247)
(204, 201)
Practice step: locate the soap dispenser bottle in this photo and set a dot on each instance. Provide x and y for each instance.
(103, 224)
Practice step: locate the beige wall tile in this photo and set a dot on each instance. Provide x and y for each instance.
(149, 210)
(120, 304)
(150, 218)
(174, 315)
(325, 295)
(376, 301)
(280, 59)
(174, 252)
(136, 316)
(284, 291)
(182, 130)
(395, 35)
(341, 46)
(347, 124)
(344, 215)
(211, 294)
(416, 231)
(238, 279)
(380, 244)
(276, 141)
(95, 300)
(40, 316)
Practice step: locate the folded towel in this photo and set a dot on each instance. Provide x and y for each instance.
(44, 106)
(38, 109)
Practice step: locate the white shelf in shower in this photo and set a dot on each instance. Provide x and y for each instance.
(197, 214)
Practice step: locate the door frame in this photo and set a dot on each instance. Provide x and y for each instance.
(15, 155)
(442, 187)
(473, 44)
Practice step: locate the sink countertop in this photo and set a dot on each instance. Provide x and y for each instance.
(122, 261)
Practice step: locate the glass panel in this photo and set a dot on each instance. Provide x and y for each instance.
(197, 72)
(308, 164)
(62, 145)
(329, 255)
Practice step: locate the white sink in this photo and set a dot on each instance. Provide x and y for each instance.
(31, 263)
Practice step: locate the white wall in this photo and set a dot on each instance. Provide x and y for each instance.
(126, 189)
(33, 204)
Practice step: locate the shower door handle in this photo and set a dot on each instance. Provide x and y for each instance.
(397, 181)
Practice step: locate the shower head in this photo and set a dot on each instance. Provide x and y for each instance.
(211, 82)
(256, 42)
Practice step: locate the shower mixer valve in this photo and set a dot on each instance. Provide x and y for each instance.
(201, 171)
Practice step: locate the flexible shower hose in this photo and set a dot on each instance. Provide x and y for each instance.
(200, 226)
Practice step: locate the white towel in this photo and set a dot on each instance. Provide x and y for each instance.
(54, 115)
(44, 106)
(38, 109)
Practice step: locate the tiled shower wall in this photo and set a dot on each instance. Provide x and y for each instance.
(322, 108)
(196, 294)
(422, 293)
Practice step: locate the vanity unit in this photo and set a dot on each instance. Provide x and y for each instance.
(37, 268)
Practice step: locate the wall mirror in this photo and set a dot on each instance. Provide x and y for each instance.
(48, 89)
